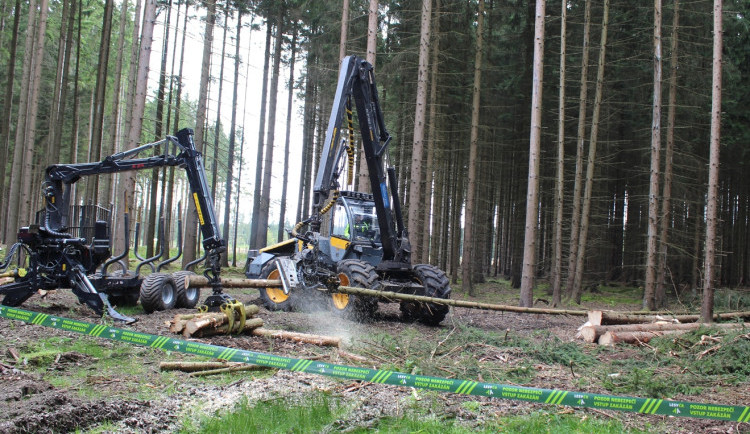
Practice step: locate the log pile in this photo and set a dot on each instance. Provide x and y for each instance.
(214, 323)
(640, 329)
(205, 324)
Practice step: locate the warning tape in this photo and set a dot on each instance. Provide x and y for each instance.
(734, 413)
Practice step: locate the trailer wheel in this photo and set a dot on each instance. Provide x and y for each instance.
(359, 274)
(186, 297)
(436, 284)
(273, 297)
(158, 292)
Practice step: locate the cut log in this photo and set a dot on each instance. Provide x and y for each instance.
(250, 324)
(328, 341)
(592, 333)
(595, 317)
(612, 338)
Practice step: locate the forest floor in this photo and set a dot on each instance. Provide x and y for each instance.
(55, 381)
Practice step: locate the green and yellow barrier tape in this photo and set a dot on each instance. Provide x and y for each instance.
(733, 413)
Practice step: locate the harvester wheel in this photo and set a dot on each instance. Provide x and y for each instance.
(158, 292)
(436, 284)
(186, 297)
(273, 297)
(356, 273)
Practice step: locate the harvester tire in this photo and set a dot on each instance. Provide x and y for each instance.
(359, 274)
(186, 297)
(158, 292)
(273, 297)
(436, 284)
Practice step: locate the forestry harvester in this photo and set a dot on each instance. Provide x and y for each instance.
(352, 238)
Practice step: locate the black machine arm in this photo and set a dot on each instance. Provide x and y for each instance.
(60, 177)
(356, 80)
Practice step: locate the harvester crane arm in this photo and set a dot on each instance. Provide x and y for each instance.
(357, 81)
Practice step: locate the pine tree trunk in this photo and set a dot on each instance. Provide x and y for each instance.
(415, 202)
(25, 212)
(372, 41)
(556, 274)
(107, 193)
(124, 196)
(62, 65)
(709, 262)
(429, 231)
(217, 125)
(178, 102)
(285, 180)
(585, 214)
(532, 191)
(649, 293)
(344, 29)
(666, 205)
(265, 198)
(575, 220)
(158, 132)
(308, 126)
(191, 220)
(255, 243)
(97, 129)
(13, 198)
(468, 242)
(232, 139)
(5, 121)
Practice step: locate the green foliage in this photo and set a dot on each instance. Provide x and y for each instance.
(544, 422)
(274, 415)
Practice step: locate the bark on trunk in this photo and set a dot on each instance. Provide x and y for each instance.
(287, 139)
(532, 192)
(709, 271)
(467, 277)
(556, 272)
(416, 211)
(575, 220)
(191, 221)
(588, 192)
(254, 219)
(649, 293)
(265, 197)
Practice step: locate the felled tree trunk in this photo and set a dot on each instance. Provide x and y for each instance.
(593, 333)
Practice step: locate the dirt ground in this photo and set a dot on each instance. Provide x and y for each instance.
(29, 403)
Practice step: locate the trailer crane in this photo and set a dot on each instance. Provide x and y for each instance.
(58, 259)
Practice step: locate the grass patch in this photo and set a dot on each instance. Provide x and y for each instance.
(87, 363)
(273, 416)
(543, 422)
(613, 295)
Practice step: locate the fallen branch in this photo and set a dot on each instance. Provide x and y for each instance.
(243, 367)
(328, 341)
(195, 366)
